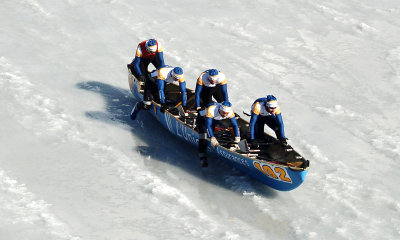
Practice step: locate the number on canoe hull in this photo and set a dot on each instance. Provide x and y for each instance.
(274, 172)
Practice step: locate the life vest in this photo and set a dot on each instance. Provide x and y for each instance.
(145, 53)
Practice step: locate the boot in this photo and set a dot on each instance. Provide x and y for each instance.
(135, 111)
(203, 162)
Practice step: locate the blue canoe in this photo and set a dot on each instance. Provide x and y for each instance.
(276, 165)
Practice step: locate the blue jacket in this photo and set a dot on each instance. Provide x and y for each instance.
(211, 114)
(257, 109)
(203, 81)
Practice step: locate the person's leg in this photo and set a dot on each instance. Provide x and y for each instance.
(144, 63)
(156, 63)
(259, 128)
(273, 124)
(206, 96)
(147, 97)
(202, 147)
(217, 94)
(144, 66)
(153, 90)
(145, 104)
(136, 109)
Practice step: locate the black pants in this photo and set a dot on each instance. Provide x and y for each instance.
(151, 91)
(208, 92)
(144, 65)
(271, 122)
(201, 127)
(150, 86)
(203, 134)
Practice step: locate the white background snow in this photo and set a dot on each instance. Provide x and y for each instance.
(69, 165)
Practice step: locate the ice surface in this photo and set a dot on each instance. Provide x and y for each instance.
(74, 166)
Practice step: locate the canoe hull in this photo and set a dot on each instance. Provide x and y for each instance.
(277, 176)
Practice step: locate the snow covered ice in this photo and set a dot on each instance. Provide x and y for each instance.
(74, 166)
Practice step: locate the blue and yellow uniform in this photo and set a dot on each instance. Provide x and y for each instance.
(170, 74)
(149, 51)
(211, 83)
(213, 113)
(266, 111)
(206, 121)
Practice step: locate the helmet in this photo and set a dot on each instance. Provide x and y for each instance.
(226, 106)
(212, 74)
(271, 101)
(271, 98)
(151, 45)
(177, 73)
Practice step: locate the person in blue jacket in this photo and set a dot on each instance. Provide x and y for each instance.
(165, 75)
(206, 120)
(266, 111)
(211, 83)
(148, 51)
(170, 75)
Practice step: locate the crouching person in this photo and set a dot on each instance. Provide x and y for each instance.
(148, 51)
(170, 75)
(265, 111)
(206, 121)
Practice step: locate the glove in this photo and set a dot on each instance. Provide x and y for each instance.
(214, 142)
(198, 109)
(235, 147)
(142, 78)
(163, 107)
(237, 139)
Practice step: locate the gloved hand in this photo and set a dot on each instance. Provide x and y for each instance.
(214, 142)
(163, 107)
(237, 139)
(142, 78)
(235, 147)
(198, 109)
